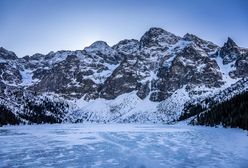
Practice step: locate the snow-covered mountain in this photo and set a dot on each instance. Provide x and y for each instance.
(146, 80)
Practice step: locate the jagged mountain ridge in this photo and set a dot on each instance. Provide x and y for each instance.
(135, 80)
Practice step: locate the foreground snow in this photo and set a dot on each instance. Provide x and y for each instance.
(122, 145)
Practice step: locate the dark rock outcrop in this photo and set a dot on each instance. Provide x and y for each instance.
(230, 51)
(154, 68)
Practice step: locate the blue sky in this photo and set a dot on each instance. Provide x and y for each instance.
(31, 26)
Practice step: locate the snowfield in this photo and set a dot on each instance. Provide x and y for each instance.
(122, 145)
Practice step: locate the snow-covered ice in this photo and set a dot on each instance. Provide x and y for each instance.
(122, 145)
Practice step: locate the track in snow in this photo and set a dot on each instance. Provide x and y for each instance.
(122, 145)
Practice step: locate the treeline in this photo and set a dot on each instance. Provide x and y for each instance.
(7, 117)
(34, 111)
(230, 113)
(191, 110)
(43, 111)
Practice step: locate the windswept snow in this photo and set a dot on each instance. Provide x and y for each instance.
(126, 107)
(173, 50)
(226, 69)
(27, 77)
(122, 145)
(100, 77)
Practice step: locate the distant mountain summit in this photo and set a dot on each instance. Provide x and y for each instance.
(157, 36)
(146, 80)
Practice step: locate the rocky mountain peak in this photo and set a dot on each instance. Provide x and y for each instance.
(157, 31)
(139, 79)
(103, 50)
(98, 46)
(158, 37)
(190, 37)
(230, 43)
(230, 51)
(205, 45)
(194, 38)
(128, 46)
(8, 55)
(37, 56)
(125, 42)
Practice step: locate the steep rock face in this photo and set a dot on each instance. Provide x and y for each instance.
(66, 78)
(241, 66)
(7, 55)
(9, 74)
(157, 37)
(123, 80)
(103, 50)
(135, 80)
(127, 47)
(207, 46)
(230, 51)
(58, 76)
(188, 67)
(76, 74)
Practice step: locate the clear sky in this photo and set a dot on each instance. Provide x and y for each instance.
(31, 26)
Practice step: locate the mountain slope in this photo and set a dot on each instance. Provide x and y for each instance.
(229, 113)
(146, 80)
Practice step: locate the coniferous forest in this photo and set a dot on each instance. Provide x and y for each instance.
(7, 117)
(43, 111)
(230, 113)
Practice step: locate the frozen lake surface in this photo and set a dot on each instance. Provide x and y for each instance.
(122, 145)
